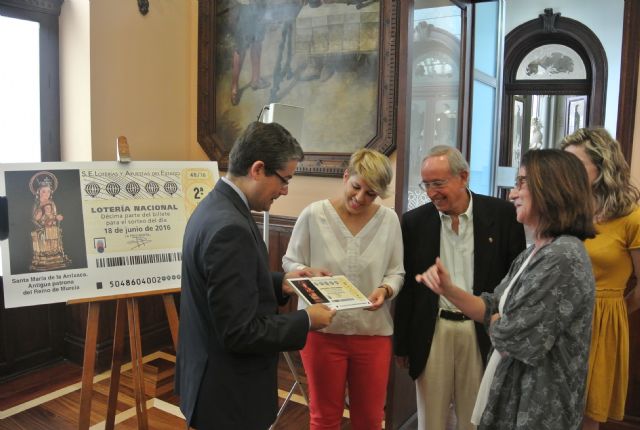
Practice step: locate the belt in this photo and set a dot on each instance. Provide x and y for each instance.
(452, 316)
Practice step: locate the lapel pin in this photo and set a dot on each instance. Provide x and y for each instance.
(490, 240)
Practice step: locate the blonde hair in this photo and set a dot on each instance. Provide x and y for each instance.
(374, 168)
(614, 194)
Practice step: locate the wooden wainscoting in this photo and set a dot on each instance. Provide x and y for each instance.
(280, 228)
(632, 407)
(30, 337)
(36, 336)
(154, 329)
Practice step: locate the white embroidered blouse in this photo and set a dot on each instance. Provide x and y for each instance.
(371, 258)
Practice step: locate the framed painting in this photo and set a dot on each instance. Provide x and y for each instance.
(335, 59)
(575, 114)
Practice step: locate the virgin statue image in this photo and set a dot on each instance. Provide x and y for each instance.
(46, 236)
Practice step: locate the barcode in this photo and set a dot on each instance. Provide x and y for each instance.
(134, 260)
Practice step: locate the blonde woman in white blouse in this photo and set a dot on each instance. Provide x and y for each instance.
(351, 235)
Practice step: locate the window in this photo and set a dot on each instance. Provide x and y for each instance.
(555, 77)
(20, 89)
(29, 82)
(484, 112)
(437, 68)
(29, 37)
(448, 101)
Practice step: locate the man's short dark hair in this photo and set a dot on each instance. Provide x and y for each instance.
(267, 142)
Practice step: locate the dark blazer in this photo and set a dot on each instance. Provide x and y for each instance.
(230, 333)
(4, 219)
(498, 239)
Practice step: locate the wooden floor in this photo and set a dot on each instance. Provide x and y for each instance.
(50, 398)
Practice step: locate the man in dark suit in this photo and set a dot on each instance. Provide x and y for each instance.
(478, 237)
(230, 333)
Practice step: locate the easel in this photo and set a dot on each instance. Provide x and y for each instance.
(127, 311)
(287, 357)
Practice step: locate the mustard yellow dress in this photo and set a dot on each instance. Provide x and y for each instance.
(609, 354)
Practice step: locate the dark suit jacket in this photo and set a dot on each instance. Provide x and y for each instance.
(498, 239)
(4, 219)
(230, 333)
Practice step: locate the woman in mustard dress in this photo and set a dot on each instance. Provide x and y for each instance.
(615, 254)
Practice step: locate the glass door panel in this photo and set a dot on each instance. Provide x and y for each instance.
(435, 91)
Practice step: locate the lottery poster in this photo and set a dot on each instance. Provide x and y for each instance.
(85, 230)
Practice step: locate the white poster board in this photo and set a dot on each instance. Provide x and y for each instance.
(86, 230)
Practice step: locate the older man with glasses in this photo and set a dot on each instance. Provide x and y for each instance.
(477, 237)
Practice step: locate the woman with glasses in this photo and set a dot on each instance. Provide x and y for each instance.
(354, 236)
(539, 317)
(615, 255)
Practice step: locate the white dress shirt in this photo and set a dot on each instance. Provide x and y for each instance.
(237, 190)
(371, 258)
(456, 251)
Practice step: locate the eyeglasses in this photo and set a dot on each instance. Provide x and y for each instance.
(285, 182)
(436, 185)
(520, 180)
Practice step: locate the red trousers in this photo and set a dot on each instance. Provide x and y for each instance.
(330, 362)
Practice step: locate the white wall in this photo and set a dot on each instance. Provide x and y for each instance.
(603, 18)
(140, 70)
(123, 73)
(75, 81)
